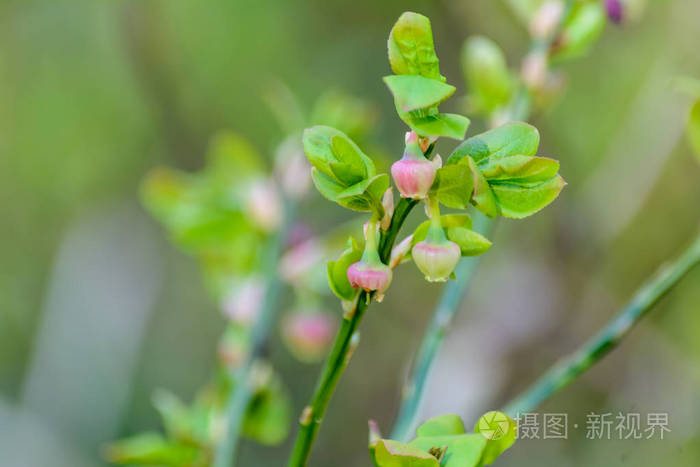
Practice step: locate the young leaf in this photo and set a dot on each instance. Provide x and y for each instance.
(232, 158)
(447, 221)
(351, 115)
(326, 185)
(163, 191)
(347, 152)
(269, 414)
(522, 200)
(463, 450)
(483, 197)
(151, 449)
(441, 425)
(412, 92)
(390, 453)
(514, 138)
(449, 125)
(366, 195)
(519, 168)
(453, 185)
(325, 145)
(582, 29)
(411, 49)
(338, 271)
(485, 70)
(470, 243)
(694, 128)
(500, 431)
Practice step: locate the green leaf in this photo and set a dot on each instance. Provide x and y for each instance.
(510, 139)
(351, 115)
(269, 414)
(449, 125)
(500, 431)
(338, 271)
(175, 414)
(441, 425)
(411, 49)
(694, 128)
(347, 152)
(413, 92)
(325, 145)
(523, 200)
(163, 191)
(366, 195)
(485, 70)
(582, 29)
(453, 186)
(483, 196)
(326, 185)
(151, 449)
(462, 450)
(232, 158)
(470, 243)
(519, 168)
(447, 221)
(390, 453)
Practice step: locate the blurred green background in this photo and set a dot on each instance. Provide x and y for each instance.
(98, 309)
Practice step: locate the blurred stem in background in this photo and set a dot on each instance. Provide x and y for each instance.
(610, 336)
(238, 401)
(345, 342)
(454, 292)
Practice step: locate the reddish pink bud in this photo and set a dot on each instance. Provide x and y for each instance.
(615, 10)
(436, 260)
(308, 334)
(263, 205)
(413, 177)
(243, 303)
(369, 277)
(296, 263)
(413, 173)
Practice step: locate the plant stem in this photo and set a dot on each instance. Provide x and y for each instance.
(412, 394)
(440, 321)
(610, 336)
(239, 400)
(345, 343)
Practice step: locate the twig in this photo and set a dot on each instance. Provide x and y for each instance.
(241, 391)
(345, 342)
(610, 336)
(454, 292)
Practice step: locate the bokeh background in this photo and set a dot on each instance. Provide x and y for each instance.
(97, 309)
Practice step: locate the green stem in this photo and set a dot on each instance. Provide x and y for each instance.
(239, 400)
(345, 342)
(440, 321)
(454, 291)
(610, 336)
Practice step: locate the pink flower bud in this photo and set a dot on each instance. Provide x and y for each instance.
(436, 260)
(296, 263)
(413, 173)
(615, 10)
(242, 304)
(308, 334)
(413, 176)
(546, 19)
(263, 205)
(369, 277)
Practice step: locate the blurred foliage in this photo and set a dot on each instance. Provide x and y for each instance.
(94, 94)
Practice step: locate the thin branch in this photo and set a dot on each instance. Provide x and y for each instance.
(455, 291)
(610, 336)
(239, 400)
(345, 343)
